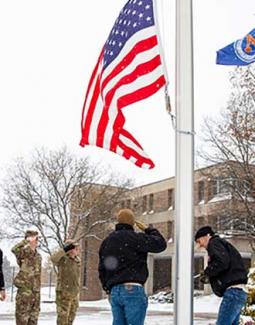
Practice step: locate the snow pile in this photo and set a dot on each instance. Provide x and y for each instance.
(162, 297)
(167, 297)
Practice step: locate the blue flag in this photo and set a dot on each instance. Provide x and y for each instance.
(240, 52)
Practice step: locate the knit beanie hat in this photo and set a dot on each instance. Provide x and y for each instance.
(204, 231)
(126, 216)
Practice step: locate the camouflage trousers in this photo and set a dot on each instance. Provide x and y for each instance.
(27, 307)
(67, 306)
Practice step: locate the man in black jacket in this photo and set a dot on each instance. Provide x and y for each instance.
(123, 267)
(2, 289)
(226, 274)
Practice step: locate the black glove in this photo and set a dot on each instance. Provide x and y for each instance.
(107, 290)
(204, 278)
(68, 247)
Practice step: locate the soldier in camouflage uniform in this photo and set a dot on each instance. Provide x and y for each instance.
(28, 280)
(68, 282)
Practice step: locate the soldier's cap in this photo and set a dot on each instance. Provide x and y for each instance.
(71, 241)
(31, 233)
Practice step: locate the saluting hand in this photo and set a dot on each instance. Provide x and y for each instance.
(141, 225)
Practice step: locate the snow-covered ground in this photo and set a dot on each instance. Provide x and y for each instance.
(99, 313)
(101, 318)
(202, 304)
(106, 320)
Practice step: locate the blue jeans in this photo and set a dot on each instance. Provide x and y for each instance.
(231, 305)
(129, 304)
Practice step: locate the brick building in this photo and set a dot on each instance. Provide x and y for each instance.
(214, 204)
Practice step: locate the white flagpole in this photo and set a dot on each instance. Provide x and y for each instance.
(184, 165)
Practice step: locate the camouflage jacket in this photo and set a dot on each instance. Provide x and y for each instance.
(69, 269)
(29, 261)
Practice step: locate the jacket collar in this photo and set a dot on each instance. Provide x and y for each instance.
(212, 237)
(123, 226)
(215, 236)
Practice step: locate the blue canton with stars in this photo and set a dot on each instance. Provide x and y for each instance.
(136, 15)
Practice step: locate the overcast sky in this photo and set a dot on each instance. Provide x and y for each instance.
(48, 51)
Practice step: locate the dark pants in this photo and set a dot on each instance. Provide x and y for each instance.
(231, 305)
(129, 304)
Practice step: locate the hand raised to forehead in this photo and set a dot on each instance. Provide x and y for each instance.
(140, 225)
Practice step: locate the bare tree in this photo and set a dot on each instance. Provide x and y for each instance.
(229, 140)
(54, 186)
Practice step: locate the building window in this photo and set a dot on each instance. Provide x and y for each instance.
(135, 206)
(215, 187)
(221, 189)
(223, 185)
(129, 204)
(243, 223)
(201, 191)
(170, 194)
(144, 207)
(226, 188)
(218, 223)
(86, 221)
(79, 216)
(151, 202)
(241, 187)
(198, 268)
(200, 222)
(162, 274)
(85, 265)
(247, 262)
(170, 230)
(215, 222)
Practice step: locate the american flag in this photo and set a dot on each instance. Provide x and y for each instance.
(128, 70)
